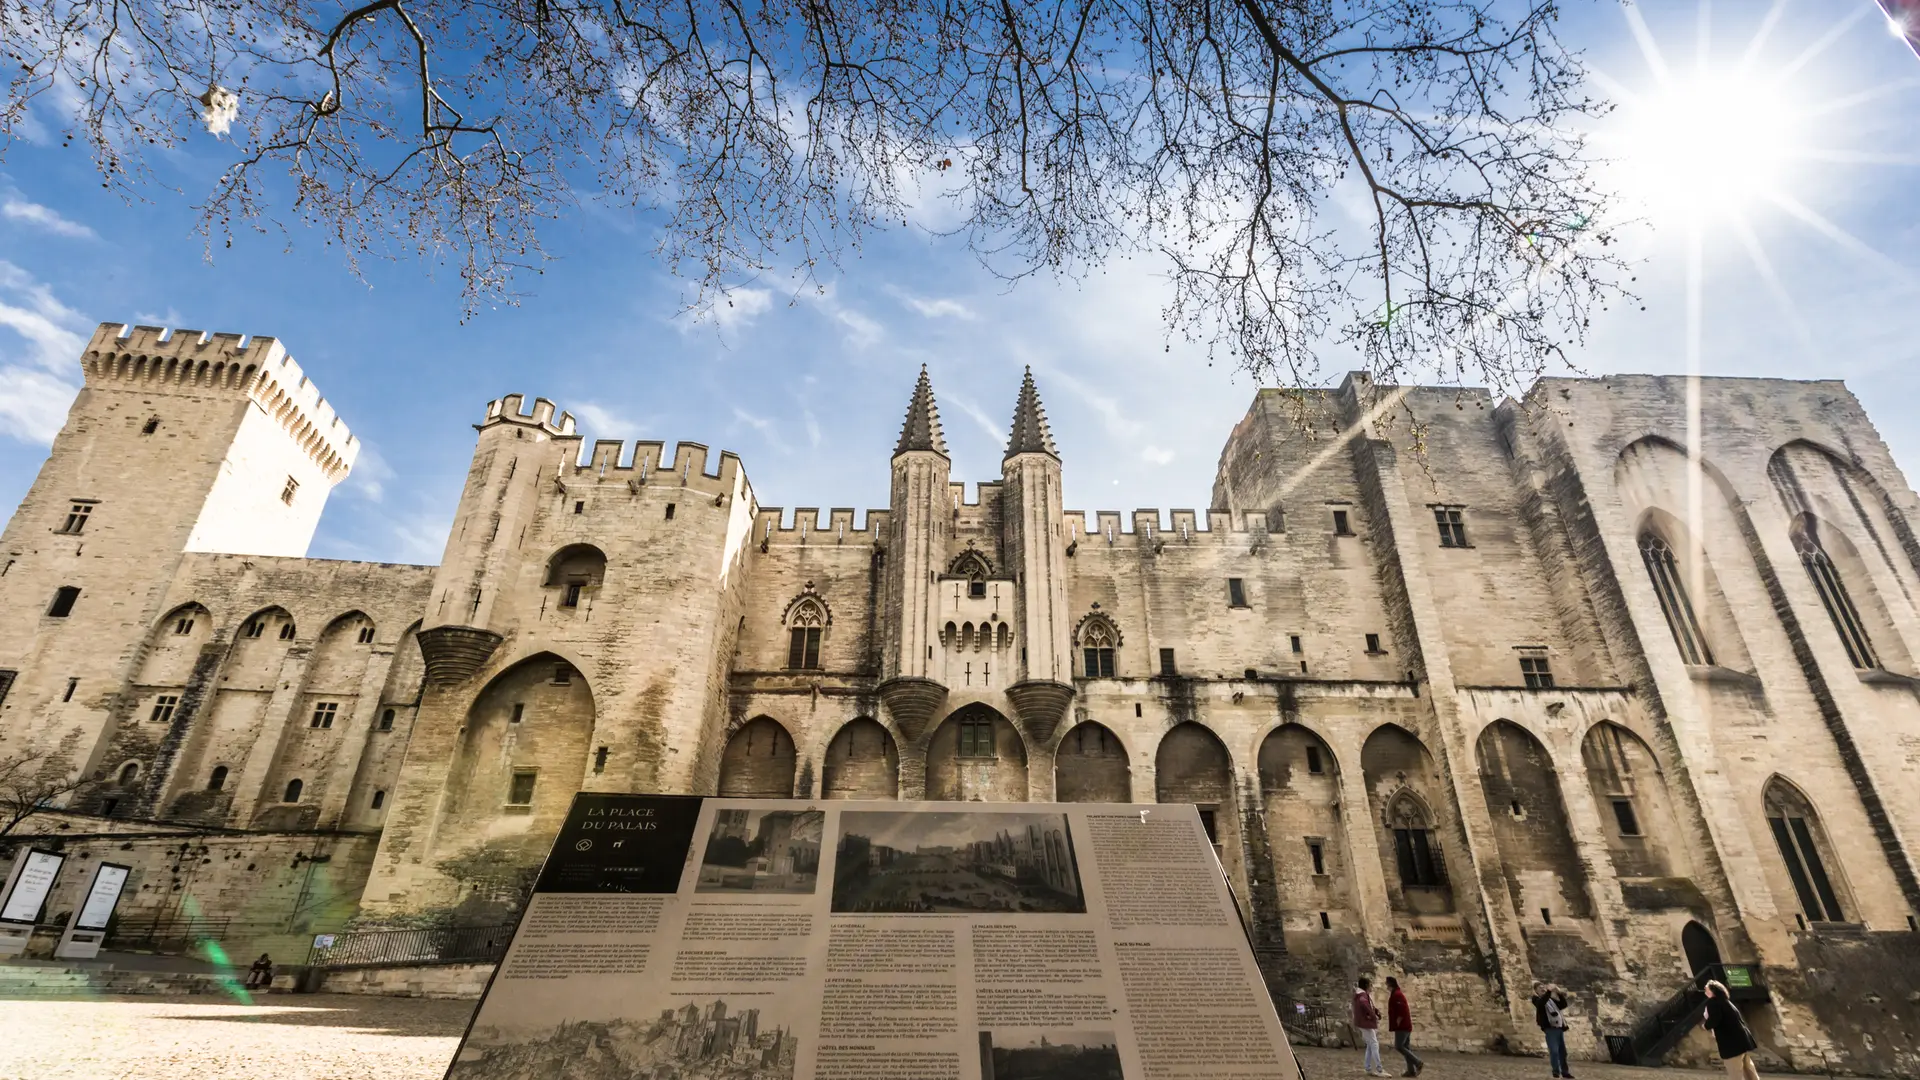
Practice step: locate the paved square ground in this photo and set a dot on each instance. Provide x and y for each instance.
(340, 1037)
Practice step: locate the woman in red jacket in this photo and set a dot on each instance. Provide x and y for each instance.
(1400, 1022)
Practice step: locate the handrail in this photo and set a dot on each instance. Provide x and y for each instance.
(366, 948)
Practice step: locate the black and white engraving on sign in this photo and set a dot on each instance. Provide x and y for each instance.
(621, 843)
(921, 862)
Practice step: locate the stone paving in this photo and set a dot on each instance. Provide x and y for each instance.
(343, 1037)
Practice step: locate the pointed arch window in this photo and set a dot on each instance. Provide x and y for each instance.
(1414, 846)
(973, 566)
(1795, 827)
(805, 626)
(1098, 640)
(976, 737)
(1664, 571)
(1833, 594)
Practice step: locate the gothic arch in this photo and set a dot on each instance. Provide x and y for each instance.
(1097, 640)
(338, 662)
(970, 564)
(759, 761)
(862, 762)
(977, 755)
(1192, 765)
(1637, 814)
(173, 646)
(1300, 797)
(1090, 765)
(1844, 584)
(1530, 826)
(807, 608)
(1682, 576)
(1804, 850)
(582, 564)
(259, 646)
(1400, 774)
(522, 753)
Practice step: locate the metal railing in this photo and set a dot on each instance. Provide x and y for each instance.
(162, 932)
(1663, 1029)
(370, 948)
(1317, 1023)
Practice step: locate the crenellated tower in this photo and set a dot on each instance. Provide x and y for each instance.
(1035, 552)
(917, 526)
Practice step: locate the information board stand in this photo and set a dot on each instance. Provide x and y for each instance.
(724, 939)
(28, 884)
(87, 930)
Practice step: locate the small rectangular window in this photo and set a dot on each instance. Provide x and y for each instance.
(1236, 593)
(63, 600)
(366, 635)
(289, 491)
(1340, 526)
(1294, 641)
(1325, 922)
(1210, 824)
(286, 631)
(1373, 645)
(976, 588)
(386, 720)
(379, 799)
(152, 425)
(1317, 852)
(579, 507)
(1453, 529)
(323, 714)
(519, 712)
(669, 511)
(77, 514)
(1098, 662)
(183, 626)
(520, 792)
(571, 596)
(600, 760)
(562, 674)
(1624, 817)
(803, 648)
(1166, 663)
(1314, 764)
(255, 628)
(72, 685)
(1535, 671)
(163, 707)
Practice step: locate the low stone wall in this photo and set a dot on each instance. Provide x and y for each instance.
(417, 980)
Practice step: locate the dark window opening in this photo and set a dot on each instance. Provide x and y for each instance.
(1624, 817)
(386, 720)
(1418, 867)
(366, 635)
(1236, 592)
(183, 626)
(1317, 852)
(152, 425)
(1535, 671)
(287, 492)
(255, 628)
(324, 714)
(579, 506)
(1098, 663)
(976, 738)
(1807, 869)
(1373, 645)
(72, 685)
(286, 631)
(1314, 764)
(1516, 811)
(379, 799)
(1136, 708)
(1839, 604)
(1453, 530)
(1209, 823)
(520, 791)
(600, 761)
(1294, 641)
(1325, 922)
(1675, 604)
(976, 588)
(519, 712)
(63, 601)
(217, 779)
(292, 793)
(1166, 663)
(669, 511)
(803, 648)
(1340, 527)
(1546, 916)
(163, 707)
(77, 515)
(108, 806)
(129, 773)
(563, 674)
(571, 597)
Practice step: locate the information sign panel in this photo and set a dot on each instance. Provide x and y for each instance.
(31, 886)
(726, 939)
(102, 897)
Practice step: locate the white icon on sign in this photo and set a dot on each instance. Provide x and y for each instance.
(617, 843)
(584, 845)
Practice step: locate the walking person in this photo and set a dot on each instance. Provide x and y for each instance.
(1731, 1033)
(1366, 1019)
(1550, 1012)
(1400, 1022)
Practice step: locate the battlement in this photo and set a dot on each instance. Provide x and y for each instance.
(1182, 527)
(507, 410)
(773, 525)
(154, 358)
(985, 492)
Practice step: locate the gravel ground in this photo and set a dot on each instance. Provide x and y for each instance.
(349, 1037)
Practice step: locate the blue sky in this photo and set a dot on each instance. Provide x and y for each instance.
(809, 390)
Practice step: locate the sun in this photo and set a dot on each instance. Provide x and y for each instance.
(1709, 144)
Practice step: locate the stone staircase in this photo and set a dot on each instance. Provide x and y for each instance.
(44, 980)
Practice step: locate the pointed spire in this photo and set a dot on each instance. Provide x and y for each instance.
(1030, 434)
(922, 429)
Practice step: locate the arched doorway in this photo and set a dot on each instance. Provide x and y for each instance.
(1300, 792)
(522, 754)
(862, 763)
(1543, 869)
(1403, 785)
(759, 761)
(1091, 766)
(1702, 951)
(976, 755)
(1193, 766)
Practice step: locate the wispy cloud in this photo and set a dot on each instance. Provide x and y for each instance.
(1156, 455)
(938, 307)
(38, 364)
(607, 422)
(978, 416)
(370, 476)
(736, 309)
(769, 431)
(17, 209)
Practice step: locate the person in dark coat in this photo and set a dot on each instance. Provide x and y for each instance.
(261, 973)
(1731, 1033)
(1550, 1012)
(1400, 1022)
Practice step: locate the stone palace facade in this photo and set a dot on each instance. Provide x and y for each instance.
(1553, 698)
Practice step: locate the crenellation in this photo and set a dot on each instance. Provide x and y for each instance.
(1536, 698)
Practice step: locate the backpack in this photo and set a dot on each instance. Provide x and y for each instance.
(1555, 1019)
